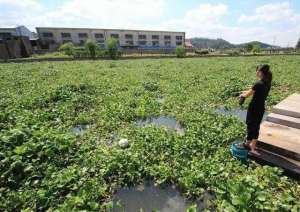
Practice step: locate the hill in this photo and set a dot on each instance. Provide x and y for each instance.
(262, 45)
(205, 43)
(223, 44)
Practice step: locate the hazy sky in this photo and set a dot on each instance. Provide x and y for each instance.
(237, 21)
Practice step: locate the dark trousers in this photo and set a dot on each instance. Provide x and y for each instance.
(253, 120)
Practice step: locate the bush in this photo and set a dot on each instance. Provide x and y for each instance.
(202, 51)
(91, 48)
(67, 48)
(80, 52)
(112, 48)
(180, 52)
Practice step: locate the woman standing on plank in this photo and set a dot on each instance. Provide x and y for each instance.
(256, 108)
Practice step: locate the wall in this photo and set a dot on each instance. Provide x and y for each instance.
(58, 40)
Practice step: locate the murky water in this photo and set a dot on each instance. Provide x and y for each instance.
(161, 99)
(241, 114)
(164, 121)
(150, 198)
(80, 129)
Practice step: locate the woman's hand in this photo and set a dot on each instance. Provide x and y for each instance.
(247, 93)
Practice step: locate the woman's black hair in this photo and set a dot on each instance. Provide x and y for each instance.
(266, 74)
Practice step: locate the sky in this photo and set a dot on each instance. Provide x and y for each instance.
(271, 21)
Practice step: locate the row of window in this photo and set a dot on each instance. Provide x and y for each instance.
(116, 36)
(131, 43)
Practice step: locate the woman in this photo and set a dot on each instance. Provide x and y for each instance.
(256, 108)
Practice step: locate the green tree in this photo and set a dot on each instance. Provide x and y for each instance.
(67, 48)
(180, 52)
(298, 44)
(256, 49)
(112, 48)
(249, 47)
(91, 48)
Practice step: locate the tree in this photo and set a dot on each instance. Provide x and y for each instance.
(112, 48)
(91, 48)
(256, 49)
(180, 52)
(249, 47)
(298, 44)
(67, 48)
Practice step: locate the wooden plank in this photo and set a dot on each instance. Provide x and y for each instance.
(294, 97)
(284, 120)
(281, 136)
(289, 106)
(270, 158)
(286, 110)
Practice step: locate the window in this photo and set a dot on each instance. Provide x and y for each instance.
(5, 34)
(155, 37)
(178, 37)
(167, 37)
(142, 37)
(155, 43)
(167, 43)
(128, 36)
(129, 42)
(81, 42)
(47, 34)
(142, 43)
(82, 35)
(116, 36)
(50, 41)
(99, 35)
(178, 43)
(65, 35)
(100, 41)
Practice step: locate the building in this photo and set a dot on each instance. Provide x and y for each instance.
(51, 38)
(20, 31)
(188, 44)
(15, 42)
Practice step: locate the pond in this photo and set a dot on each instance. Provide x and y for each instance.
(149, 197)
(80, 129)
(164, 121)
(161, 99)
(239, 113)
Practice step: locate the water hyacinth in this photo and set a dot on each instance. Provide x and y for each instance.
(44, 166)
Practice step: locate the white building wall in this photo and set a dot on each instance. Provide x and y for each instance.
(58, 39)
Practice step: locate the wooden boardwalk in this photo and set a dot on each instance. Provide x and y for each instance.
(279, 139)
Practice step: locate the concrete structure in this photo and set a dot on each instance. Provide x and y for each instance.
(16, 42)
(20, 31)
(279, 139)
(130, 39)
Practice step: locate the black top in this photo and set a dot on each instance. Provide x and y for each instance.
(261, 91)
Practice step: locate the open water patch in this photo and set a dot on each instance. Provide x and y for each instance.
(237, 112)
(161, 99)
(80, 129)
(164, 121)
(147, 197)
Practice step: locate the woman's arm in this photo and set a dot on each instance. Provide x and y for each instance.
(247, 93)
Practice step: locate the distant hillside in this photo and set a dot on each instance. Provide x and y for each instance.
(262, 45)
(205, 43)
(219, 43)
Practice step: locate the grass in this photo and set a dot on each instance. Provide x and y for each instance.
(44, 166)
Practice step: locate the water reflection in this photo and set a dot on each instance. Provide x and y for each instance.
(168, 122)
(149, 197)
(239, 113)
